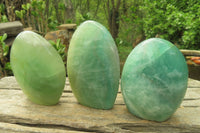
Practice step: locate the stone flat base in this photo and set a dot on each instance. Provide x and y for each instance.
(18, 114)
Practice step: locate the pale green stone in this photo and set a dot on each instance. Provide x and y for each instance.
(38, 68)
(154, 80)
(93, 66)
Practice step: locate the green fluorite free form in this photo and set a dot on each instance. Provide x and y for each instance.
(38, 68)
(154, 80)
(93, 66)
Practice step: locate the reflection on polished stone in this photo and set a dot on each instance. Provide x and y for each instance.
(38, 68)
(93, 66)
(154, 79)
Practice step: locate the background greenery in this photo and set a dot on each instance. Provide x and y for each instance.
(129, 21)
(176, 21)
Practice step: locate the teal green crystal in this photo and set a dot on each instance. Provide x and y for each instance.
(38, 68)
(154, 79)
(93, 66)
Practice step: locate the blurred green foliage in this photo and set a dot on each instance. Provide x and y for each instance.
(59, 47)
(5, 68)
(3, 17)
(176, 21)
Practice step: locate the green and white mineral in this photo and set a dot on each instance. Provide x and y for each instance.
(154, 79)
(93, 66)
(38, 68)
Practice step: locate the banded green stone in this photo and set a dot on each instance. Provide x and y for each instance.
(154, 79)
(93, 66)
(38, 68)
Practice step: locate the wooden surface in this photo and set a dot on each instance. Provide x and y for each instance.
(11, 28)
(18, 114)
(187, 52)
(67, 27)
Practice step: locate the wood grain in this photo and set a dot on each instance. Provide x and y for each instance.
(18, 114)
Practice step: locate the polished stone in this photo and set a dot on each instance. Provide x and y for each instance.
(154, 79)
(38, 68)
(93, 66)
